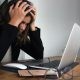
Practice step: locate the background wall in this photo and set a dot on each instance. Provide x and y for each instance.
(55, 18)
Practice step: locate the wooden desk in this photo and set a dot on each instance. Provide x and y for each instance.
(6, 75)
(75, 72)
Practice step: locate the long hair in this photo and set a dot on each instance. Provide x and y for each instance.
(5, 18)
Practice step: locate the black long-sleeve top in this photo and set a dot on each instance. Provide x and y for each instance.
(8, 35)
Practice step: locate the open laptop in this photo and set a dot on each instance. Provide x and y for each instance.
(69, 54)
(72, 47)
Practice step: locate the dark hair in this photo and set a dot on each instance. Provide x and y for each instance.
(4, 18)
(3, 9)
(5, 6)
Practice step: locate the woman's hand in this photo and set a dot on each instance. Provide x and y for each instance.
(18, 13)
(33, 26)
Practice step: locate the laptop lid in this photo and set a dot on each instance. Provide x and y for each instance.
(72, 47)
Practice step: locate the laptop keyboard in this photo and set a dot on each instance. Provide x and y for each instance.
(51, 64)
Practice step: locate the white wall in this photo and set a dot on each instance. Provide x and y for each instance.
(56, 18)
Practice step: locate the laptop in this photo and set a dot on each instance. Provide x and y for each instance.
(70, 52)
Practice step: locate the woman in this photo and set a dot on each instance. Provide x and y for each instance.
(22, 15)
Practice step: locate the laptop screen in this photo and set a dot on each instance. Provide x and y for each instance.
(72, 47)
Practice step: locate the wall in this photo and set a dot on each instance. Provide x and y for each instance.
(55, 18)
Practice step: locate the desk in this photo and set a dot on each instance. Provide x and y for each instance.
(6, 75)
(76, 73)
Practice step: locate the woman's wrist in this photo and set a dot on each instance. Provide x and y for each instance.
(33, 28)
(14, 22)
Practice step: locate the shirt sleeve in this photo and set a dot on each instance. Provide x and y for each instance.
(35, 47)
(7, 34)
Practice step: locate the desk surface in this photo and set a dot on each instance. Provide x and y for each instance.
(6, 75)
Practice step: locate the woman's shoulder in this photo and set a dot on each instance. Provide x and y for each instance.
(8, 26)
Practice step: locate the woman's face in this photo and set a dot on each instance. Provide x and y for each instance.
(23, 24)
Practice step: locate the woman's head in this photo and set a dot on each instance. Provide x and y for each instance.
(4, 11)
(28, 18)
(25, 24)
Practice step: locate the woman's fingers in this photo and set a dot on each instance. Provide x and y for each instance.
(24, 8)
(18, 3)
(23, 4)
(32, 14)
(11, 8)
(27, 11)
(35, 10)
